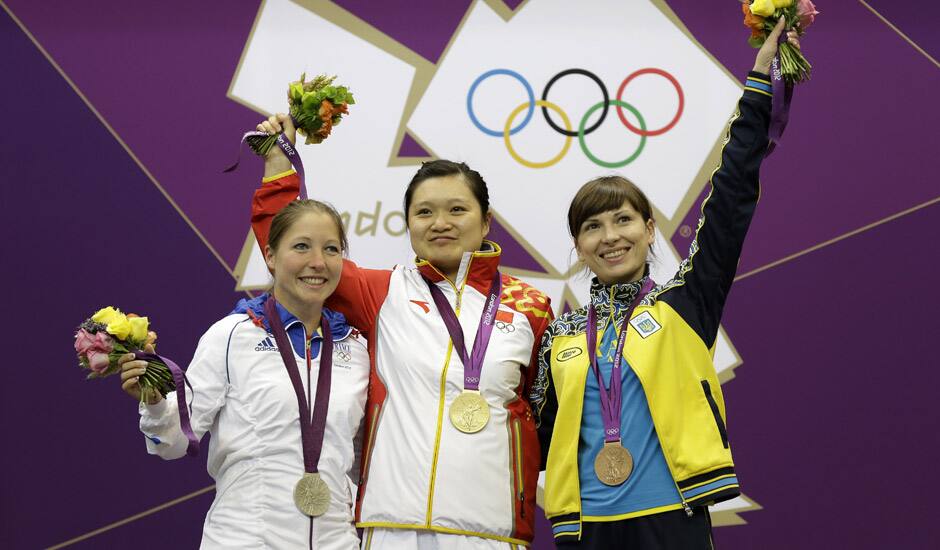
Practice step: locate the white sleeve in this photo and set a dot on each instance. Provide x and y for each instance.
(160, 423)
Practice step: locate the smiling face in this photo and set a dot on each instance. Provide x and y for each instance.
(307, 262)
(615, 244)
(445, 220)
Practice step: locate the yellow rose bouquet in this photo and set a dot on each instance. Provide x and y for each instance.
(107, 335)
(761, 17)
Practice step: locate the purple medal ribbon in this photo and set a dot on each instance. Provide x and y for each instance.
(610, 402)
(289, 150)
(311, 428)
(180, 381)
(780, 104)
(472, 364)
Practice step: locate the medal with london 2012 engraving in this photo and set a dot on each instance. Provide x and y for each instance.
(613, 464)
(311, 493)
(469, 412)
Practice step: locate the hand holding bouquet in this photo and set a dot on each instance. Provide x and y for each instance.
(104, 341)
(315, 106)
(761, 16)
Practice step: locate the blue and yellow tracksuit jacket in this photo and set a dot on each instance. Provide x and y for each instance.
(670, 341)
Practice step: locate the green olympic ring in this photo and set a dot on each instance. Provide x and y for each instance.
(604, 163)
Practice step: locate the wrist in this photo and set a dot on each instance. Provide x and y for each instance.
(276, 165)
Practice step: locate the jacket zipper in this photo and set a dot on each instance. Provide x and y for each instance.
(309, 406)
(517, 464)
(672, 474)
(307, 353)
(442, 399)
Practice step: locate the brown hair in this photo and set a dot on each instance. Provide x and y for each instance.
(294, 210)
(602, 195)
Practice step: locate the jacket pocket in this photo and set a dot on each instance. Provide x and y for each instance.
(519, 481)
(706, 387)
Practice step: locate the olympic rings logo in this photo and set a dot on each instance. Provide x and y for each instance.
(583, 129)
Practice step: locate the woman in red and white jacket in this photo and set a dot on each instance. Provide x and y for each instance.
(427, 480)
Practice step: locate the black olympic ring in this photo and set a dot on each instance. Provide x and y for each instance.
(593, 77)
(505, 328)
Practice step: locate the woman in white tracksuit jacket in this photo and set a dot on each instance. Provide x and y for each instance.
(424, 482)
(242, 394)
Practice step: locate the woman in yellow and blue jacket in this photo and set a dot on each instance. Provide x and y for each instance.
(671, 413)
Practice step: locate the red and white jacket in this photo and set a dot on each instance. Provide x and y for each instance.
(418, 471)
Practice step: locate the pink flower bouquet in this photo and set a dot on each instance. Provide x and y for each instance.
(107, 335)
(761, 17)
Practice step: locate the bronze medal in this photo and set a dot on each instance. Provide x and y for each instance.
(469, 413)
(311, 495)
(613, 464)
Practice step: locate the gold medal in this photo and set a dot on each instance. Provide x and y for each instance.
(469, 413)
(613, 464)
(311, 495)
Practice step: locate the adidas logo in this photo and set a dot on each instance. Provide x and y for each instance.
(266, 345)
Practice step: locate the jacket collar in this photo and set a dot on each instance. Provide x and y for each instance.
(476, 268)
(612, 300)
(254, 308)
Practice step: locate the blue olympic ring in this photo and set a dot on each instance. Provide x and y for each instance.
(494, 72)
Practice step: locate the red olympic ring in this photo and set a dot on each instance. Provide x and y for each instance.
(665, 128)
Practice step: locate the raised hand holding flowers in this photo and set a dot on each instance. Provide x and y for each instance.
(315, 106)
(761, 16)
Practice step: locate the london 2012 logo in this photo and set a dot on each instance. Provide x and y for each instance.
(583, 130)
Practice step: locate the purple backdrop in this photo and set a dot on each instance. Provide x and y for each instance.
(831, 418)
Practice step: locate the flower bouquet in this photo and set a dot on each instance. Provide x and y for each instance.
(109, 334)
(762, 15)
(315, 107)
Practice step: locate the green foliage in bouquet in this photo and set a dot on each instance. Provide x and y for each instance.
(315, 105)
(105, 337)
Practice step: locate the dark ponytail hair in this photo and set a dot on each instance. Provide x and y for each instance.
(441, 168)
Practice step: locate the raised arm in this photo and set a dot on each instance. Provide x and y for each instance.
(701, 285)
(361, 292)
(280, 184)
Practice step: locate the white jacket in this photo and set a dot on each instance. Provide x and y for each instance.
(243, 396)
(418, 471)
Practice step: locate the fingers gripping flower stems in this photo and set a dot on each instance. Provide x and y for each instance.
(762, 17)
(105, 344)
(315, 106)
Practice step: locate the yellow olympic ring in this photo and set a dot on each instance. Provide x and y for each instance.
(508, 128)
